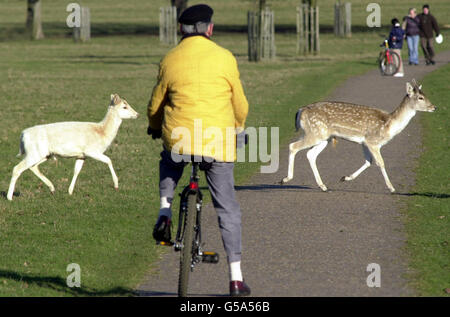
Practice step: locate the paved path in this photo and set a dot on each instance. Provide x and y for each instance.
(299, 241)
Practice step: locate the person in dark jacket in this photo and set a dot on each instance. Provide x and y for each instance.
(395, 41)
(412, 30)
(427, 24)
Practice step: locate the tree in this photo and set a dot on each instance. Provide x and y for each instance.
(312, 3)
(34, 23)
(180, 5)
(262, 4)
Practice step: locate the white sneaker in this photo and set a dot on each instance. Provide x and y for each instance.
(399, 75)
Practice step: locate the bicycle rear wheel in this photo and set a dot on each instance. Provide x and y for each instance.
(187, 250)
(389, 65)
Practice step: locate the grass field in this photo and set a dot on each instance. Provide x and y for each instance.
(428, 217)
(108, 233)
(137, 16)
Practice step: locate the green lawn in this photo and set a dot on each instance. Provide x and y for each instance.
(428, 216)
(131, 16)
(108, 233)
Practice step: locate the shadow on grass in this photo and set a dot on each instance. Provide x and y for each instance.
(103, 62)
(364, 62)
(154, 293)
(425, 194)
(5, 194)
(58, 284)
(113, 59)
(143, 293)
(91, 56)
(11, 31)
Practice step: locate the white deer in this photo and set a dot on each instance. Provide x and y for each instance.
(71, 139)
(368, 126)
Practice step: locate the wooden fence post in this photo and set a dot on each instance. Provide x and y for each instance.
(34, 20)
(300, 31)
(348, 19)
(308, 39)
(253, 36)
(267, 35)
(317, 28)
(343, 19)
(168, 25)
(83, 33)
(261, 35)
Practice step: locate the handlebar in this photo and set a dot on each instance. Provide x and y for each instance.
(385, 44)
(241, 138)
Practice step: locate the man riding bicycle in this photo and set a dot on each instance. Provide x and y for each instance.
(197, 101)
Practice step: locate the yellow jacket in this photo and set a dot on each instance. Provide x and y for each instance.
(198, 86)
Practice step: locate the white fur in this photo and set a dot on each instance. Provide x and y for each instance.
(71, 139)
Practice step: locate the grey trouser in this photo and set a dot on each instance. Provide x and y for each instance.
(220, 180)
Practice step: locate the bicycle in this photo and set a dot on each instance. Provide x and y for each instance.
(388, 60)
(188, 238)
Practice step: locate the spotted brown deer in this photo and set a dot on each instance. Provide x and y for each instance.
(71, 139)
(368, 126)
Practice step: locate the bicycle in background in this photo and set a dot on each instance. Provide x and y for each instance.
(388, 60)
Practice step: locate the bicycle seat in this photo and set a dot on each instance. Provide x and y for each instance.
(204, 163)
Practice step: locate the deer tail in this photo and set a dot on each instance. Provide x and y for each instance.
(334, 141)
(298, 115)
(21, 146)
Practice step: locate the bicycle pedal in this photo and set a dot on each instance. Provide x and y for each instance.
(165, 244)
(210, 257)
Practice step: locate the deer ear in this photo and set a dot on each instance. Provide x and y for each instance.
(409, 89)
(117, 99)
(420, 87)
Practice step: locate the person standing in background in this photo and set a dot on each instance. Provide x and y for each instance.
(396, 43)
(411, 27)
(427, 24)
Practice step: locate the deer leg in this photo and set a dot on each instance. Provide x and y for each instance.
(103, 158)
(17, 171)
(37, 172)
(292, 153)
(78, 165)
(366, 164)
(294, 148)
(375, 151)
(312, 156)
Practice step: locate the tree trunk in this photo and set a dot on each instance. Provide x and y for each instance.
(262, 5)
(180, 4)
(34, 23)
(312, 3)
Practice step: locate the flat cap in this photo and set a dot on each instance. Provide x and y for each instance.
(196, 13)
